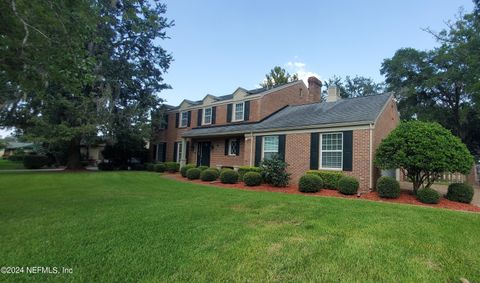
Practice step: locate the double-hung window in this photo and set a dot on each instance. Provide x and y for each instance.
(183, 119)
(270, 147)
(207, 116)
(238, 111)
(233, 147)
(331, 151)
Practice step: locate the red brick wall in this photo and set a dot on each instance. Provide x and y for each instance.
(218, 157)
(292, 95)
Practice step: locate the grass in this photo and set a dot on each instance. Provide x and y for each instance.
(138, 226)
(6, 164)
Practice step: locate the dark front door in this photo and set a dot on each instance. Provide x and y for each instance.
(203, 154)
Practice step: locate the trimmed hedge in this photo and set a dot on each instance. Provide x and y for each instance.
(35, 161)
(428, 195)
(150, 166)
(244, 169)
(138, 167)
(330, 178)
(203, 167)
(460, 192)
(172, 167)
(252, 178)
(228, 176)
(209, 175)
(388, 187)
(104, 166)
(160, 167)
(310, 183)
(348, 185)
(184, 169)
(193, 173)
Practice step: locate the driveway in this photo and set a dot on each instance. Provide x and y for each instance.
(442, 189)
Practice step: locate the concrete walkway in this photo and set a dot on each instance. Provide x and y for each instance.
(33, 170)
(442, 189)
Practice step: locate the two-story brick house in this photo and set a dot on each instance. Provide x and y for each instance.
(289, 121)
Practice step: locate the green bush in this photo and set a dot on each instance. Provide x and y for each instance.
(209, 175)
(203, 167)
(228, 176)
(274, 172)
(150, 166)
(184, 169)
(460, 192)
(104, 166)
(16, 157)
(310, 183)
(137, 167)
(193, 173)
(160, 167)
(348, 185)
(428, 195)
(330, 178)
(252, 178)
(388, 187)
(244, 169)
(35, 161)
(172, 167)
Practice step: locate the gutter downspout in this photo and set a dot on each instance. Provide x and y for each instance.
(371, 156)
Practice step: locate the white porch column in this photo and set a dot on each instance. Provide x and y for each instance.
(183, 157)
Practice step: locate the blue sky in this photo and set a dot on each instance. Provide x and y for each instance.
(220, 45)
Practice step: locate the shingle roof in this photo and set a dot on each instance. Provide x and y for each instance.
(15, 145)
(345, 111)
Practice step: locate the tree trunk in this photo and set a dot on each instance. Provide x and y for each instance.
(73, 162)
(416, 186)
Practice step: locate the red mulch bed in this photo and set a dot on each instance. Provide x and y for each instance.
(405, 196)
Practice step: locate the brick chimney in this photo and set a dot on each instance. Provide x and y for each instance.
(333, 94)
(314, 89)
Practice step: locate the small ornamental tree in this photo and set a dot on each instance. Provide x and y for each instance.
(423, 151)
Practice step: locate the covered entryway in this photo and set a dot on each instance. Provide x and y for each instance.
(203, 153)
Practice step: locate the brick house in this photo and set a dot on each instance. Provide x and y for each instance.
(288, 120)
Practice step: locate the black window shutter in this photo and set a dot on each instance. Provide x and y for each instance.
(155, 152)
(199, 117)
(238, 147)
(314, 147)
(229, 113)
(226, 147)
(246, 111)
(164, 157)
(214, 114)
(258, 150)
(187, 151)
(177, 118)
(166, 121)
(175, 145)
(281, 147)
(347, 150)
(189, 118)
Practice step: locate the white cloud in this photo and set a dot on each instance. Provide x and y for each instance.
(300, 68)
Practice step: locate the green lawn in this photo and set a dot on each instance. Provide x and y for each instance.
(8, 165)
(141, 227)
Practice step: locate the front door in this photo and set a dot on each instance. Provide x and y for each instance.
(203, 154)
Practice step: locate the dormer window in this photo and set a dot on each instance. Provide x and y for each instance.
(238, 111)
(183, 119)
(207, 116)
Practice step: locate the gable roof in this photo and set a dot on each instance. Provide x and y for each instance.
(356, 110)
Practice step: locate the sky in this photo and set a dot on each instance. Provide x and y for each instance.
(218, 46)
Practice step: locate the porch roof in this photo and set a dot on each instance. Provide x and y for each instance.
(215, 131)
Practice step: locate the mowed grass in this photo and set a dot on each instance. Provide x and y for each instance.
(139, 226)
(6, 164)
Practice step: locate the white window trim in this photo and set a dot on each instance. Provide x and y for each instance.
(320, 153)
(234, 112)
(230, 153)
(179, 151)
(203, 116)
(263, 145)
(180, 125)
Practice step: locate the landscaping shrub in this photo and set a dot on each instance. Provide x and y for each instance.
(428, 195)
(184, 169)
(252, 178)
(150, 166)
(193, 173)
(160, 167)
(203, 167)
(104, 166)
(228, 176)
(209, 175)
(35, 161)
(330, 178)
(138, 167)
(310, 183)
(388, 187)
(172, 167)
(244, 169)
(16, 157)
(274, 172)
(460, 192)
(348, 185)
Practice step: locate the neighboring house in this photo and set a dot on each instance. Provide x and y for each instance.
(287, 120)
(92, 152)
(11, 147)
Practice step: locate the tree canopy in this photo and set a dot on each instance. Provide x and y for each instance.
(355, 86)
(423, 150)
(278, 76)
